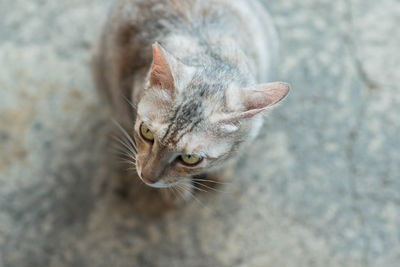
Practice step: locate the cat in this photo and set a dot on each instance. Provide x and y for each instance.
(188, 80)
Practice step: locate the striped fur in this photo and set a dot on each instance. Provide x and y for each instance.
(216, 50)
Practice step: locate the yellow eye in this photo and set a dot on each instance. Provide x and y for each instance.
(191, 159)
(146, 133)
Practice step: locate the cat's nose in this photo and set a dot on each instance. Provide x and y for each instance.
(150, 173)
(148, 181)
(145, 176)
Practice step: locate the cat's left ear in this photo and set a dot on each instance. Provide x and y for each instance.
(167, 72)
(255, 99)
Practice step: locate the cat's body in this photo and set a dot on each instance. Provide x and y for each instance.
(191, 67)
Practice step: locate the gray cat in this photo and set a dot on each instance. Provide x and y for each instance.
(185, 78)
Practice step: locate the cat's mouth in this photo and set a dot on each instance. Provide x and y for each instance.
(158, 184)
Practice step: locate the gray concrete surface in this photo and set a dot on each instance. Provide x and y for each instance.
(320, 187)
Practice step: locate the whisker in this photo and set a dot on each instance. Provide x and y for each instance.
(127, 156)
(211, 181)
(130, 103)
(211, 188)
(124, 154)
(126, 142)
(179, 192)
(131, 149)
(125, 133)
(128, 161)
(190, 193)
(171, 189)
(118, 149)
(197, 188)
(123, 142)
(131, 163)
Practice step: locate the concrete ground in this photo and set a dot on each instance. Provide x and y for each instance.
(320, 186)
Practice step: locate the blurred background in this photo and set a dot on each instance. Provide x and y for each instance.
(319, 187)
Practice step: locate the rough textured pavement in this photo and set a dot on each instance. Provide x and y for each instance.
(320, 187)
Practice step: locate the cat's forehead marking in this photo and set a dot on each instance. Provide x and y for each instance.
(183, 120)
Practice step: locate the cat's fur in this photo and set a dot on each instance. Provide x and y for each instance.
(191, 67)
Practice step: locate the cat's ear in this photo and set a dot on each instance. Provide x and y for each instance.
(255, 99)
(161, 69)
(166, 71)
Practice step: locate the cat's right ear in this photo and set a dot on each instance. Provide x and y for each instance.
(263, 96)
(250, 101)
(167, 72)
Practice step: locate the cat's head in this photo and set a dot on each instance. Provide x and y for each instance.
(188, 123)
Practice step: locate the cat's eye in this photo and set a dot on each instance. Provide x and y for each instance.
(146, 133)
(190, 159)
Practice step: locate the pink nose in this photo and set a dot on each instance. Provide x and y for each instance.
(147, 181)
(144, 179)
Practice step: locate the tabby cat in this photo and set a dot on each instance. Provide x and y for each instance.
(187, 80)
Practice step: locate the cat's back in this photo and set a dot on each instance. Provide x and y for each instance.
(142, 22)
(186, 28)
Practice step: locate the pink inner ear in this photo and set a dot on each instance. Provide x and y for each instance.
(161, 74)
(265, 95)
